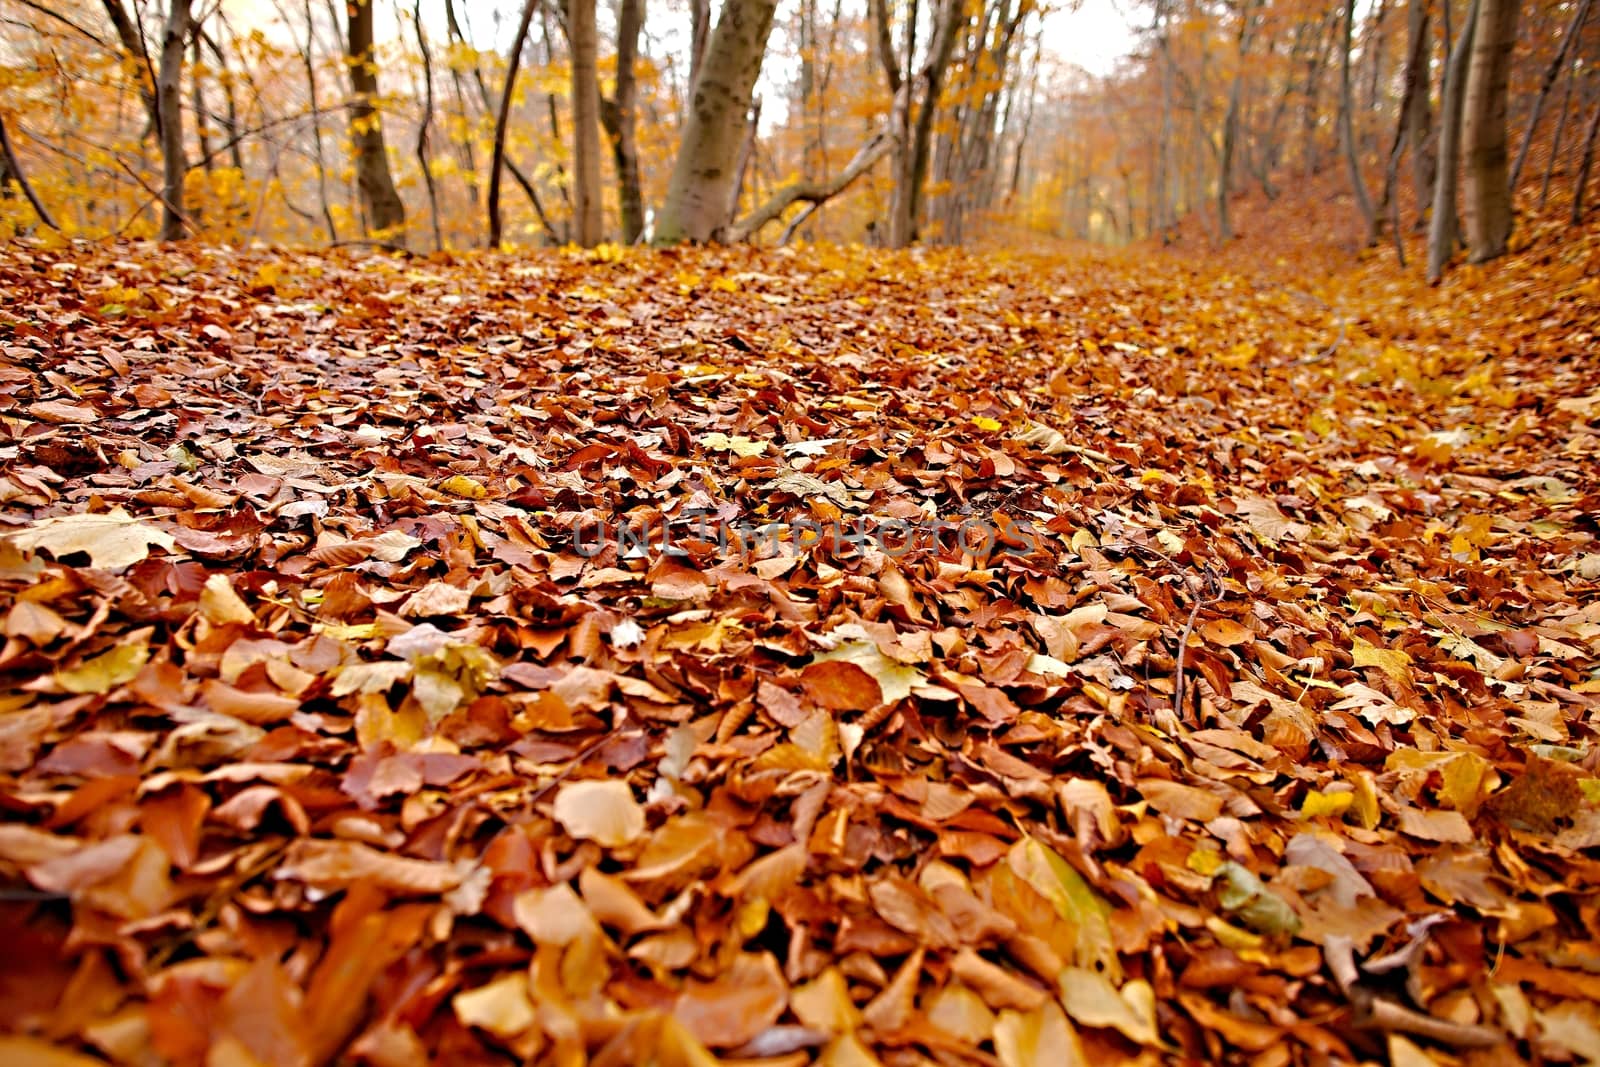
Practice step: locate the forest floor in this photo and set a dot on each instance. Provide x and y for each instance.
(1109, 657)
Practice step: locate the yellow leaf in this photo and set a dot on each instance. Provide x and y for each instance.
(462, 486)
(1092, 1000)
(1393, 662)
(1335, 804)
(220, 604)
(983, 422)
(1024, 1039)
(1074, 901)
(108, 670)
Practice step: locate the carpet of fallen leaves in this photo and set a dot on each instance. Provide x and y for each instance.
(1265, 731)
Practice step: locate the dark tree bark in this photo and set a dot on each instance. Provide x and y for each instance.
(620, 115)
(169, 105)
(1582, 182)
(502, 119)
(424, 155)
(134, 51)
(12, 172)
(386, 212)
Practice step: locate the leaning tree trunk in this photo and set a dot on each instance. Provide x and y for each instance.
(11, 171)
(584, 39)
(386, 213)
(169, 105)
(1552, 72)
(703, 174)
(1488, 182)
(1582, 181)
(133, 52)
(1443, 225)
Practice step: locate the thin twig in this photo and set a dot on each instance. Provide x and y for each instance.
(1212, 593)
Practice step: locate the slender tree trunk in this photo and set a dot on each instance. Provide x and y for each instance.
(169, 105)
(747, 150)
(469, 162)
(584, 39)
(1413, 88)
(1552, 72)
(1488, 185)
(230, 115)
(502, 119)
(522, 180)
(552, 111)
(309, 62)
(424, 155)
(703, 173)
(1443, 226)
(1230, 126)
(197, 97)
(941, 48)
(1582, 183)
(1419, 117)
(135, 52)
(1555, 142)
(386, 212)
(699, 36)
(13, 173)
(1347, 129)
(623, 121)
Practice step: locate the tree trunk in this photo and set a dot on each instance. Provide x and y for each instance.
(197, 97)
(584, 40)
(1419, 118)
(492, 211)
(169, 105)
(13, 173)
(132, 41)
(502, 118)
(699, 34)
(921, 95)
(1555, 142)
(386, 213)
(747, 151)
(1230, 126)
(309, 63)
(230, 114)
(1347, 130)
(1488, 186)
(1582, 182)
(621, 117)
(1443, 226)
(424, 155)
(703, 173)
(1574, 29)
(1413, 90)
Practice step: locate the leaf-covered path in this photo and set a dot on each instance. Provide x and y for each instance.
(1242, 709)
